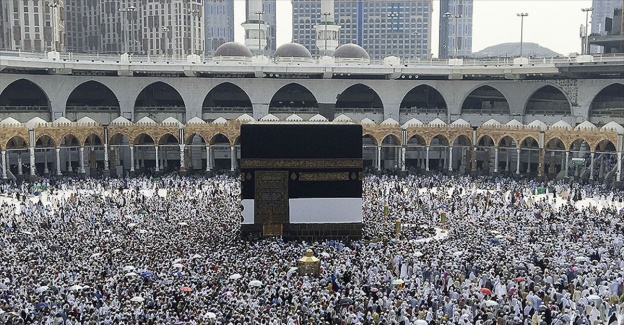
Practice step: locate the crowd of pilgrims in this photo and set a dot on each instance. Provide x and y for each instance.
(169, 251)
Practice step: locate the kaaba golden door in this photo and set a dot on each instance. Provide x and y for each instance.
(271, 201)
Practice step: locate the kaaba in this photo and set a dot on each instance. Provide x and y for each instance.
(301, 181)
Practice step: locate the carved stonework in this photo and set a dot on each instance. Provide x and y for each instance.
(569, 88)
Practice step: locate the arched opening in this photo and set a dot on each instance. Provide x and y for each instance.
(221, 156)
(485, 100)
(608, 105)
(23, 100)
(195, 153)
(159, 101)
(70, 150)
(529, 152)
(293, 99)
(486, 155)
(168, 153)
(369, 152)
(145, 154)
(580, 159)
(93, 148)
(461, 154)
(548, 100)
(226, 100)
(119, 156)
(391, 153)
(554, 158)
(44, 154)
(360, 101)
(94, 100)
(508, 153)
(415, 152)
(437, 155)
(605, 161)
(16, 147)
(423, 99)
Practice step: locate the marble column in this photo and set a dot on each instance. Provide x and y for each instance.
(403, 152)
(182, 162)
(208, 164)
(82, 169)
(4, 165)
(379, 157)
(591, 167)
(495, 159)
(58, 161)
(427, 160)
(518, 161)
(19, 163)
(157, 168)
(450, 162)
(232, 158)
(106, 166)
(567, 161)
(132, 158)
(619, 166)
(45, 161)
(32, 161)
(69, 161)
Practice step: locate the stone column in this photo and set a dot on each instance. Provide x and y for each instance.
(19, 163)
(529, 162)
(379, 157)
(473, 159)
(450, 162)
(69, 161)
(619, 166)
(4, 165)
(591, 167)
(541, 166)
(58, 161)
(507, 161)
(131, 158)
(106, 165)
(495, 159)
(232, 158)
(567, 161)
(518, 161)
(427, 159)
(157, 168)
(182, 162)
(403, 152)
(208, 165)
(32, 161)
(45, 161)
(82, 169)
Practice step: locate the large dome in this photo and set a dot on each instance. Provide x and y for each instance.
(292, 50)
(351, 51)
(232, 49)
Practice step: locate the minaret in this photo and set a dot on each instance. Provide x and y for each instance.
(255, 27)
(326, 29)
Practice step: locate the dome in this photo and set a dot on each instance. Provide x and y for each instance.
(232, 49)
(292, 50)
(351, 51)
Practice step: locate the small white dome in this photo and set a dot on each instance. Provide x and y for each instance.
(86, 120)
(586, 125)
(367, 121)
(145, 120)
(120, 120)
(491, 122)
(34, 122)
(61, 120)
(172, 120)
(461, 122)
(437, 122)
(412, 122)
(318, 118)
(613, 126)
(390, 121)
(9, 121)
(562, 125)
(195, 120)
(219, 120)
(294, 118)
(246, 118)
(269, 118)
(515, 123)
(342, 118)
(538, 124)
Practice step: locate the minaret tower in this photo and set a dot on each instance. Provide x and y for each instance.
(327, 30)
(255, 28)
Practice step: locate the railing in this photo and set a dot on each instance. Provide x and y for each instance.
(293, 109)
(360, 110)
(167, 109)
(92, 109)
(494, 61)
(225, 109)
(18, 109)
(416, 110)
(485, 111)
(617, 112)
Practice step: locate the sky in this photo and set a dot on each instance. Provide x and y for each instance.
(554, 24)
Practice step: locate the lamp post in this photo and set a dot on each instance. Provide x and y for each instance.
(521, 15)
(325, 14)
(450, 15)
(128, 31)
(259, 13)
(587, 11)
(53, 7)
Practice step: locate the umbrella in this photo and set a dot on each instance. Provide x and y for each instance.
(128, 268)
(96, 255)
(594, 297)
(499, 236)
(42, 289)
(41, 305)
(325, 254)
(345, 302)
(255, 283)
(292, 270)
(137, 299)
(486, 291)
(581, 259)
(107, 231)
(420, 322)
(75, 287)
(142, 231)
(86, 287)
(211, 315)
(131, 274)
(27, 232)
(182, 223)
(491, 303)
(116, 250)
(235, 276)
(228, 293)
(178, 265)
(132, 224)
(186, 289)
(418, 254)
(196, 256)
(519, 279)
(458, 253)
(374, 289)
(397, 282)
(146, 274)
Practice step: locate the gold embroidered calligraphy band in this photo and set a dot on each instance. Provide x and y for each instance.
(301, 163)
(324, 177)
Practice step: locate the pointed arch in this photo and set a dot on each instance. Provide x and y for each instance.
(359, 98)
(486, 141)
(226, 97)
(26, 99)
(548, 100)
(485, 100)
(423, 99)
(92, 99)
(608, 105)
(158, 101)
(293, 98)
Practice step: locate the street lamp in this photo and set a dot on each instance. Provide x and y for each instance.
(53, 7)
(455, 47)
(259, 13)
(127, 30)
(587, 11)
(521, 15)
(325, 14)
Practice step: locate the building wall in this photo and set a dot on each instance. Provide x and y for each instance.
(219, 21)
(27, 25)
(455, 34)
